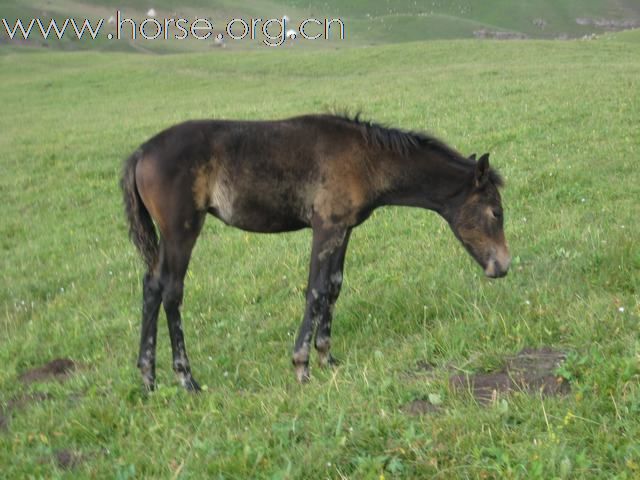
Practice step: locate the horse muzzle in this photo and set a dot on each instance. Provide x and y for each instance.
(498, 264)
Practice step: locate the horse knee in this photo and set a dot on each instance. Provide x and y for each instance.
(318, 301)
(151, 286)
(172, 296)
(335, 283)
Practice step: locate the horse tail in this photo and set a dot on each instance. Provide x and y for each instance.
(141, 229)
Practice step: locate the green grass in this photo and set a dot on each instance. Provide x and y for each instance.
(560, 120)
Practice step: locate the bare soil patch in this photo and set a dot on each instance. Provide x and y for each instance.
(531, 371)
(68, 459)
(59, 369)
(422, 370)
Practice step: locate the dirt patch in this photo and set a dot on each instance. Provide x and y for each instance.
(422, 366)
(420, 407)
(531, 371)
(68, 459)
(58, 369)
(422, 370)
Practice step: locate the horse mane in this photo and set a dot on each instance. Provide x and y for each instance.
(403, 142)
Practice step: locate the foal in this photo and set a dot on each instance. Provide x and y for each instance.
(320, 171)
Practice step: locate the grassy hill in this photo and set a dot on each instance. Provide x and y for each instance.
(560, 120)
(366, 23)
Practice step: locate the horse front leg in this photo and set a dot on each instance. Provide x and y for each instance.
(328, 246)
(323, 331)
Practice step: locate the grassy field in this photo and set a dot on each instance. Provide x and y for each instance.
(561, 122)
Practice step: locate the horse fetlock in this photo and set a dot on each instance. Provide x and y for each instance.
(302, 372)
(323, 347)
(300, 360)
(146, 360)
(324, 358)
(323, 344)
(181, 365)
(301, 355)
(148, 371)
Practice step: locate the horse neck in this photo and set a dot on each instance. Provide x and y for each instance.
(426, 179)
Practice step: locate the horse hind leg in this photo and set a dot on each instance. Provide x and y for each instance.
(175, 261)
(151, 300)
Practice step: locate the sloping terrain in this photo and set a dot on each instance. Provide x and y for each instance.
(366, 23)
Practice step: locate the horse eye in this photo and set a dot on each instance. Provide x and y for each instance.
(497, 213)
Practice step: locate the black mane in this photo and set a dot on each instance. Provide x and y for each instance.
(403, 142)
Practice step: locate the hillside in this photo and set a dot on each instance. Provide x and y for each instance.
(366, 23)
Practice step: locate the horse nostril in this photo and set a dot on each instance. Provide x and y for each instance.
(495, 270)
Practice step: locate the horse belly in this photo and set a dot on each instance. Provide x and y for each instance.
(253, 210)
(260, 220)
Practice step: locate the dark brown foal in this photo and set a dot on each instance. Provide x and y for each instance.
(323, 172)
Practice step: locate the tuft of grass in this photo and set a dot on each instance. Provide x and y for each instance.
(560, 121)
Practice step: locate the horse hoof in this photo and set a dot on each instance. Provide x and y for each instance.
(302, 373)
(328, 361)
(148, 384)
(189, 383)
(192, 386)
(147, 389)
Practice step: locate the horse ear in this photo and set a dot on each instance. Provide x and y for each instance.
(481, 175)
(472, 157)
